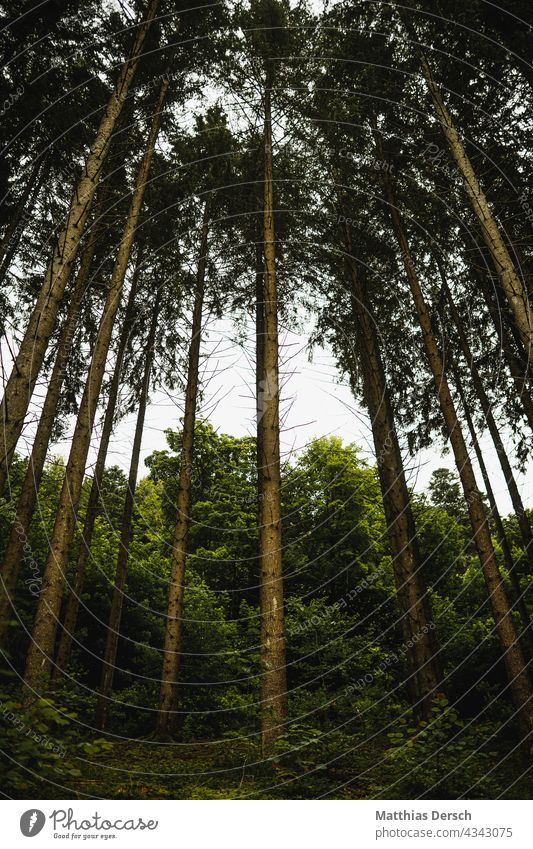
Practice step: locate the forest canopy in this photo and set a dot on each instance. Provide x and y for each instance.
(218, 616)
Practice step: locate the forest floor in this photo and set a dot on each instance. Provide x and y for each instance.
(231, 770)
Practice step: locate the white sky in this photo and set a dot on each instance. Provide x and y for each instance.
(313, 404)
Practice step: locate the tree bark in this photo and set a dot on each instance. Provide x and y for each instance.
(39, 658)
(126, 536)
(29, 360)
(511, 284)
(70, 619)
(495, 515)
(259, 359)
(18, 542)
(425, 675)
(517, 368)
(274, 675)
(519, 684)
(168, 694)
(516, 500)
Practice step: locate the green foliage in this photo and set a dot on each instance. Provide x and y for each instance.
(41, 740)
(444, 758)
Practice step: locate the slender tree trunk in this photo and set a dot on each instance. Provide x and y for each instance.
(259, 367)
(519, 684)
(168, 694)
(42, 322)
(510, 324)
(512, 285)
(512, 486)
(274, 675)
(259, 360)
(126, 536)
(39, 658)
(16, 227)
(495, 514)
(517, 368)
(18, 540)
(425, 675)
(68, 628)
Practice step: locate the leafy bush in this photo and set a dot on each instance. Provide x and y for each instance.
(41, 748)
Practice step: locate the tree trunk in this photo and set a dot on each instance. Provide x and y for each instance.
(512, 285)
(523, 521)
(73, 602)
(425, 675)
(495, 514)
(168, 694)
(259, 358)
(274, 675)
(42, 322)
(519, 684)
(18, 544)
(126, 536)
(517, 368)
(16, 227)
(39, 658)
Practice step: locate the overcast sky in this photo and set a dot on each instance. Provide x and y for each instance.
(314, 403)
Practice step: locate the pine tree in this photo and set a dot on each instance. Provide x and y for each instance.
(519, 683)
(126, 531)
(172, 648)
(28, 498)
(91, 512)
(512, 285)
(418, 627)
(39, 658)
(32, 350)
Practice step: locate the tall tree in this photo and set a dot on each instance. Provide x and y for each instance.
(28, 497)
(39, 659)
(519, 684)
(274, 676)
(212, 145)
(496, 517)
(486, 406)
(30, 192)
(91, 512)
(41, 325)
(126, 532)
(511, 283)
(518, 369)
(417, 624)
(173, 633)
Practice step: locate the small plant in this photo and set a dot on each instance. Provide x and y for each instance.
(41, 745)
(442, 758)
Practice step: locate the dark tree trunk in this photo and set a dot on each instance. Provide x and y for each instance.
(14, 553)
(17, 224)
(40, 653)
(70, 619)
(126, 536)
(512, 486)
(274, 676)
(518, 367)
(498, 524)
(425, 675)
(20, 385)
(519, 684)
(168, 694)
